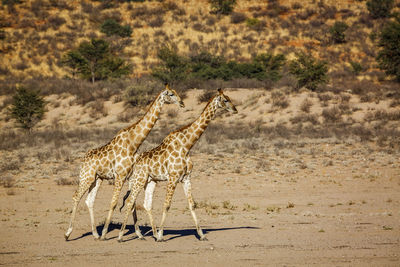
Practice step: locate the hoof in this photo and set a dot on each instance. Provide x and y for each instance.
(203, 238)
(120, 240)
(141, 238)
(66, 237)
(160, 240)
(102, 238)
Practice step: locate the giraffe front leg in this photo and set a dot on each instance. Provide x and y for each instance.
(187, 188)
(117, 189)
(84, 185)
(90, 204)
(167, 204)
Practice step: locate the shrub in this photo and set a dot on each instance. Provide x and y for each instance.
(337, 32)
(279, 100)
(224, 7)
(173, 67)
(27, 107)
(158, 21)
(389, 54)
(356, 67)
(56, 22)
(237, 17)
(111, 27)
(380, 8)
(139, 94)
(306, 105)
(252, 22)
(205, 96)
(309, 71)
(272, 65)
(332, 115)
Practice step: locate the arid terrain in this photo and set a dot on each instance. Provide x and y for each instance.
(267, 199)
(306, 174)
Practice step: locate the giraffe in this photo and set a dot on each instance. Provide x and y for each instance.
(170, 162)
(115, 160)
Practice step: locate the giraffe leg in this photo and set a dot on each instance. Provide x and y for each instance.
(117, 189)
(187, 188)
(90, 203)
(84, 185)
(129, 209)
(148, 200)
(137, 229)
(167, 204)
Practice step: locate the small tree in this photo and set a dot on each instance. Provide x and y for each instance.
(27, 107)
(389, 55)
(224, 7)
(337, 32)
(93, 60)
(309, 71)
(380, 8)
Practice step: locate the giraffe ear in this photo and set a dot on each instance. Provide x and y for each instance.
(220, 90)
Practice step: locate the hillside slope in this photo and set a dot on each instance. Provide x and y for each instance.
(37, 33)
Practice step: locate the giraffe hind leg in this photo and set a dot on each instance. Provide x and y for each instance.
(90, 204)
(84, 185)
(148, 200)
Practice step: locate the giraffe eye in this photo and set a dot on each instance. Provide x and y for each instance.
(226, 101)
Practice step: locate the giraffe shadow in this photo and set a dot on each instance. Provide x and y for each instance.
(169, 234)
(111, 227)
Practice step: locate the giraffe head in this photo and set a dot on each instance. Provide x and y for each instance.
(170, 96)
(224, 102)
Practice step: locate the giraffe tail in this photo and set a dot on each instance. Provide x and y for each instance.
(125, 197)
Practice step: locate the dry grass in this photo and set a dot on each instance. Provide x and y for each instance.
(306, 105)
(332, 115)
(279, 99)
(7, 181)
(67, 181)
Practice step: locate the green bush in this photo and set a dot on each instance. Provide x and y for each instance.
(205, 66)
(173, 67)
(356, 67)
(380, 8)
(309, 71)
(337, 32)
(111, 27)
(389, 54)
(222, 6)
(93, 60)
(27, 107)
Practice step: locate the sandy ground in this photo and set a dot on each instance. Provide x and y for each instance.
(338, 206)
(299, 202)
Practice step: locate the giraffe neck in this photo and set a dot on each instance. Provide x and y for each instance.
(139, 131)
(193, 132)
